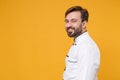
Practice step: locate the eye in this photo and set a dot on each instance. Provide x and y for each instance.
(74, 20)
(66, 21)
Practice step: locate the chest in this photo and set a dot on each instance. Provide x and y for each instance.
(71, 58)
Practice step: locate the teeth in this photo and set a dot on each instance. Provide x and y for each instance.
(69, 29)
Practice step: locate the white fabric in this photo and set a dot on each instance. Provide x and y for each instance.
(83, 59)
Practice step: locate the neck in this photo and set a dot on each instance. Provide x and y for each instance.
(80, 33)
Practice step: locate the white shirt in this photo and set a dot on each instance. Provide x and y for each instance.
(83, 59)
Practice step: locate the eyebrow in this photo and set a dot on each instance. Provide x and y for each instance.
(74, 19)
(71, 19)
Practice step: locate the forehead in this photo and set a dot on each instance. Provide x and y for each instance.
(74, 15)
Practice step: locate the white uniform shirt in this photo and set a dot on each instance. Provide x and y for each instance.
(83, 59)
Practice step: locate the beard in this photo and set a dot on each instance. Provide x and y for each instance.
(71, 32)
(74, 32)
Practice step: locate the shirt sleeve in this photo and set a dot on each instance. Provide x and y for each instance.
(87, 63)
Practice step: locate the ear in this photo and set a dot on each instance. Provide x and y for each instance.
(84, 23)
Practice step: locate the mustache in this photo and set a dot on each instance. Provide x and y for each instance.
(69, 28)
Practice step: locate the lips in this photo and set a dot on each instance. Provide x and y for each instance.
(70, 29)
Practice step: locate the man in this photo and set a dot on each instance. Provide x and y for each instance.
(83, 58)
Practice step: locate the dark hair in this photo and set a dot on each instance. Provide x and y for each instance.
(84, 12)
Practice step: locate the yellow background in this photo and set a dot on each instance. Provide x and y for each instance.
(33, 41)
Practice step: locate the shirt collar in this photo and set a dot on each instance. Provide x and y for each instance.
(76, 40)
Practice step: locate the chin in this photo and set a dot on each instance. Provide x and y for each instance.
(71, 35)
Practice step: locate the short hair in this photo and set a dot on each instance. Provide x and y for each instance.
(84, 12)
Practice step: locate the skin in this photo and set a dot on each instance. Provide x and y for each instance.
(74, 25)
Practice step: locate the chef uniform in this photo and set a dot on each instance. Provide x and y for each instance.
(82, 60)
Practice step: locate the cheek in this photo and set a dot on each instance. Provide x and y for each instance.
(77, 26)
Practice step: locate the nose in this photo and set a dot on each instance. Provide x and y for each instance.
(69, 24)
